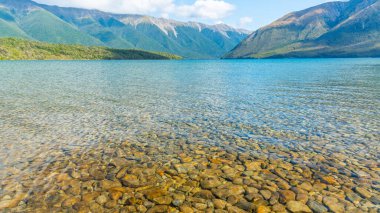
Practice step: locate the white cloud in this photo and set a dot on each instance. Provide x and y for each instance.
(165, 15)
(117, 6)
(205, 9)
(245, 21)
(145, 6)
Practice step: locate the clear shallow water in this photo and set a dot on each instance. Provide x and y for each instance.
(330, 98)
(326, 106)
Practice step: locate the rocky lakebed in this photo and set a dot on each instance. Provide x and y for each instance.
(192, 176)
(226, 136)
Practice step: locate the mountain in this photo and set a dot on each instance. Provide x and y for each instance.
(30, 20)
(335, 29)
(18, 49)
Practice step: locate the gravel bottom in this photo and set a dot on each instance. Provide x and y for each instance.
(175, 174)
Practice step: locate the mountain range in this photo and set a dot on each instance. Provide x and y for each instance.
(334, 29)
(29, 20)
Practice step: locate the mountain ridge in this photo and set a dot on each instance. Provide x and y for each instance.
(333, 29)
(95, 27)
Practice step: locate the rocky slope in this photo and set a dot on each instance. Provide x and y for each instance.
(335, 29)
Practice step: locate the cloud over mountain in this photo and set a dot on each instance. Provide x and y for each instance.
(211, 9)
(205, 9)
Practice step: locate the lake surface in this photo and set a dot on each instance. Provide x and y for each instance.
(316, 115)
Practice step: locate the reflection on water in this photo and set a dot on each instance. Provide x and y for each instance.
(317, 115)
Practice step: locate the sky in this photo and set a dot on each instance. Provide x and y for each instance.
(247, 14)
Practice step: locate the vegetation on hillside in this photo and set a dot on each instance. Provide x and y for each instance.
(44, 26)
(18, 49)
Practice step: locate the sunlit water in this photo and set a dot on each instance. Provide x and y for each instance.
(54, 105)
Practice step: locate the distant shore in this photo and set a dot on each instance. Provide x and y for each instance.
(18, 49)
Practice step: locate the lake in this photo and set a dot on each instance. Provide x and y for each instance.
(166, 135)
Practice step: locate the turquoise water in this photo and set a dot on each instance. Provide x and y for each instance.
(320, 114)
